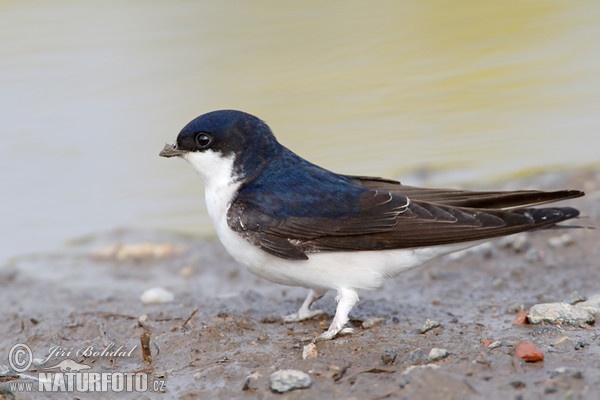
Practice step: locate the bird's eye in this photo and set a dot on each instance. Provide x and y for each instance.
(204, 140)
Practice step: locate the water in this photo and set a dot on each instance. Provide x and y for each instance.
(90, 91)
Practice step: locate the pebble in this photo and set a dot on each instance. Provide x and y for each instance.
(520, 318)
(310, 351)
(135, 251)
(563, 240)
(429, 325)
(372, 322)
(389, 356)
(187, 272)
(157, 296)
(581, 344)
(518, 243)
(528, 351)
(437, 354)
(289, 379)
(560, 313)
(495, 345)
(533, 255)
(518, 384)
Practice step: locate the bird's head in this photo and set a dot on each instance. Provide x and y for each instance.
(225, 144)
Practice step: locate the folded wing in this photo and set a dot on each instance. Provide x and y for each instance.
(414, 217)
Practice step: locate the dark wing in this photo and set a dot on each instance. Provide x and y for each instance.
(386, 220)
(468, 198)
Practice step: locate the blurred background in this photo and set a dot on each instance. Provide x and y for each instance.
(430, 92)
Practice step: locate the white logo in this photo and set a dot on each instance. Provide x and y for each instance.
(71, 376)
(20, 357)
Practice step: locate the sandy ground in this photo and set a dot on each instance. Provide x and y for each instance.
(88, 295)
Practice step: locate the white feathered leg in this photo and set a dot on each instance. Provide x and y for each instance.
(346, 299)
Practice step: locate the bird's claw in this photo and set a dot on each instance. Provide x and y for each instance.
(302, 316)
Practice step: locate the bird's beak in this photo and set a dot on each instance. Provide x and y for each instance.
(171, 150)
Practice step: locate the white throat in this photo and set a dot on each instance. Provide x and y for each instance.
(221, 183)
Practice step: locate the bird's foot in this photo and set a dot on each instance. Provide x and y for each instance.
(346, 299)
(302, 315)
(333, 333)
(305, 312)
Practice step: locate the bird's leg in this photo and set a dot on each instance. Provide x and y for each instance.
(346, 299)
(305, 312)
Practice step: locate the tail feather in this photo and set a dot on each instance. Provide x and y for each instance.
(546, 217)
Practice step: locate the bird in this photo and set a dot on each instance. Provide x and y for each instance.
(298, 224)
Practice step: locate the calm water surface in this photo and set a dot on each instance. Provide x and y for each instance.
(90, 91)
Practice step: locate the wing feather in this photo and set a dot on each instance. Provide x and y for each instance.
(468, 198)
(387, 220)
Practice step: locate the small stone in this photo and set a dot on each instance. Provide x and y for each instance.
(289, 379)
(563, 240)
(429, 325)
(252, 377)
(532, 255)
(528, 351)
(187, 271)
(157, 296)
(581, 344)
(518, 243)
(495, 345)
(550, 389)
(437, 354)
(518, 384)
(559, 313)
(372, 322)
(4, 370)
(388, 357)
(482, 358)
(135, 251)
(310, 351)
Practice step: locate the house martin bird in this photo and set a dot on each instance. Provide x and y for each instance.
(294, 223)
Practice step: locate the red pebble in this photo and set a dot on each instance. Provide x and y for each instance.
(521, 318)
(529, 352)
